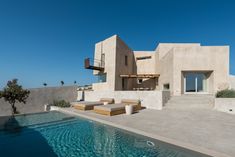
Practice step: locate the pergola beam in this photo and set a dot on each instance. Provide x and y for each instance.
(140, 75)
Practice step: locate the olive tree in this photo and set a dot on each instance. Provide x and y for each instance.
(62, 83)
(13, 93)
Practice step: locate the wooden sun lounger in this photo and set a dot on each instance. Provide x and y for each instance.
(89, 105)
(115, 109)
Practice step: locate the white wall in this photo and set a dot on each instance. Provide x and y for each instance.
(149, 99)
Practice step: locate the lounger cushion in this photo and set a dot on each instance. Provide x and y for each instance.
(87, 103)
(130, 101)
(108, 100)
(110, 107)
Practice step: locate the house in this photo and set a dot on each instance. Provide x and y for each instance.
(181, 68)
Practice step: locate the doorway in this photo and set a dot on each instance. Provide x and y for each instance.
(195, 82)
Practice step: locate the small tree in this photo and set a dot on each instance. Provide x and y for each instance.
(13, 93)
(44, 84)
(62, 83)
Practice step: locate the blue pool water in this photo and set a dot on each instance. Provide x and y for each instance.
(56, 134)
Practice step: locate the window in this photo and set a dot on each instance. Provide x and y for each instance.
(102, 77)
(166, 86)
(144, 57)
(102, 59)
(139, 81)
(126, 60)
(123, 83)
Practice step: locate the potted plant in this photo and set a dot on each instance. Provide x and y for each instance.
(129, 109)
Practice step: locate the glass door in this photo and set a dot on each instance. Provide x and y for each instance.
(190, 79)
(195, 82)
(201, 82)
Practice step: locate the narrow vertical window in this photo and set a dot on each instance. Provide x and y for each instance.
(123, 83)
(126, 60)
(102, 59)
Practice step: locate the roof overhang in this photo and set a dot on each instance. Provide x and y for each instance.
(140, 75)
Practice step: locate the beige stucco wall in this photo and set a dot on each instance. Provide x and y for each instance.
(164, 48)
(149, 99)
(213, 58)
(225, 105)
(108, 47)
(166, 70)
(123, 50)
(145, 66)
(101, 86)
(169, 60)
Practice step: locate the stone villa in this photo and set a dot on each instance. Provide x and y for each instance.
(172, 69)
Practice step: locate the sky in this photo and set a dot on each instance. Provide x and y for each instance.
(47, 40)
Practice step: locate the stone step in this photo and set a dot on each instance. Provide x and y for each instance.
(190, 101)
(187, 99)
(192, 97)
(204, 107)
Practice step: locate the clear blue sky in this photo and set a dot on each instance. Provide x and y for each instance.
(47, 40)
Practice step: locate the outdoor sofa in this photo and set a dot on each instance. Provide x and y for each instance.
(119, 108)
(89, 105)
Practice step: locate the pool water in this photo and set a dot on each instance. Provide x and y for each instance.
(57, 134)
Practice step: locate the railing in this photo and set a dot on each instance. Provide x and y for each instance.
(94, 64)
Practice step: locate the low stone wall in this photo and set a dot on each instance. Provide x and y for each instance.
(149, 99)
(232, 81)
(40, 96)
(225, 105)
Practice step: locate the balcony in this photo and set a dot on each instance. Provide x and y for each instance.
(94, 64)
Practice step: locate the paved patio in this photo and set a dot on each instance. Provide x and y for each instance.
(207, 129)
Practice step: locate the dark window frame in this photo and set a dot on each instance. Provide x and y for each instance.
(123, 83)
(139, 80)
(166, 86)
(126, 60)
(144, 58)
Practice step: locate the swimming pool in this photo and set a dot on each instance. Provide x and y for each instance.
(58, 134)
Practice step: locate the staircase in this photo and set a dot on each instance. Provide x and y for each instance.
(190, 102)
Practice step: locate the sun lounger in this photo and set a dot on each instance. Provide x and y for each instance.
(89, 105)
(115, 109)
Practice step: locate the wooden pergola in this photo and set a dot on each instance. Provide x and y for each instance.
(140, 76)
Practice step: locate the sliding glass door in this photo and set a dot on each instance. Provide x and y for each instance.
(195, 82)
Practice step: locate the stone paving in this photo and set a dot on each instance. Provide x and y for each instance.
(204, 128)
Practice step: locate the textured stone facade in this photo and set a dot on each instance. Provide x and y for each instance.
(40, 96)
(169, 60)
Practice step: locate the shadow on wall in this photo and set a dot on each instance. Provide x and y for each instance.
(16, 140)
(145, 84)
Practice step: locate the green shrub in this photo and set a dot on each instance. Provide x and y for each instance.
(227, 93)
(60, 103)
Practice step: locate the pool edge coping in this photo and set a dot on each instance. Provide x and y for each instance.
(185, 145)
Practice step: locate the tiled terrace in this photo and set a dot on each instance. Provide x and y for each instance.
(207, 131)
